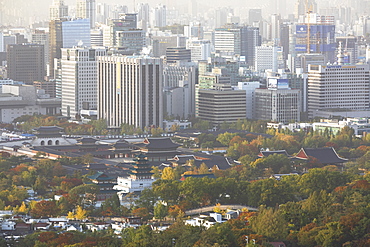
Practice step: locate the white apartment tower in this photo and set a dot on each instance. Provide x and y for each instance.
(159, 16)
(79, 79)
(338, 87)
(58, 10)
(130, 91)
(86, 9)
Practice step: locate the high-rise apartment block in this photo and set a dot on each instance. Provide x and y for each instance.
(79, 79)
(130, 91)
(26, 62)
(86, 9)
(58, 10)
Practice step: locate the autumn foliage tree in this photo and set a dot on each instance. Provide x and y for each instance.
(45, 208)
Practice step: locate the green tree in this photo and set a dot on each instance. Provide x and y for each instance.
(320, 179)
(160, 211)
(270, 223)
(99, 125)
(225, 138)
(203, 169)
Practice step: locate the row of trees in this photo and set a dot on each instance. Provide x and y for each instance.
(338, 217)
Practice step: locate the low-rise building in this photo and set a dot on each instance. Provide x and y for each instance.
(19, 100)
(361, 126)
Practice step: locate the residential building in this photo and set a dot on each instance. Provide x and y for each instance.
(58, 9)
(159, 16)
(86, 9)
(79, 79)
(130, 91)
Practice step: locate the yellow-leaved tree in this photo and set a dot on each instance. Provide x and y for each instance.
(80, 213)
(168, 173)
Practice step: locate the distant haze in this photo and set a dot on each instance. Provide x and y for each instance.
(38, 10)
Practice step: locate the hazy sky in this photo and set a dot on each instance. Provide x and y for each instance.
(39, 9)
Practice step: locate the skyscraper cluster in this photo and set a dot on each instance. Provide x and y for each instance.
(141, 64)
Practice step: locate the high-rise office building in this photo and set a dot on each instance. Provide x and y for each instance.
(249, 87)
(76, 32)
(350, 48)
(268, 57)
(85, 9)
(66, 33)
(96, 37)
(131, 41)
(79, 79)
(278, 102)
(102, 12)
(130, 91)
(338, 88)
(200, 49)
(255, 15)
(175, 54)
(55, 44)
(221, 104)
(126, 22)
(179, 90)
(236, 39)
(41, 37)
(58, 10)
(317, 35)
(26, 62)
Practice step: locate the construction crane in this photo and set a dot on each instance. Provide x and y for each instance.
(308, 11)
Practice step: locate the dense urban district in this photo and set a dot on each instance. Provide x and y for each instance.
(190, 123)
(283, 188)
